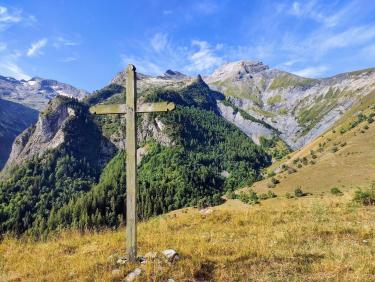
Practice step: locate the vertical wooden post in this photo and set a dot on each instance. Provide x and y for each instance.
(131, 165)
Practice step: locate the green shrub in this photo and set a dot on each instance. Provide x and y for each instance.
(230, 195)
(250, 197)
(365, 197)
(336, 191)
(298, 192)
(271, 174)
(334, 149)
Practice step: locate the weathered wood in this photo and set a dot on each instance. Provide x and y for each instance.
(156, 107)
(131, 165)
(121, 108)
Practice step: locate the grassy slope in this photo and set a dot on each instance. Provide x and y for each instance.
(267, 242)
(353, 165)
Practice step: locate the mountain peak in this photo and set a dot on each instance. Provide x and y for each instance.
(171, 74)
(238, 69)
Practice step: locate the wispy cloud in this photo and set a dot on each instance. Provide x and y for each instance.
(9, 66)
(159, 41)
(36, 47)
(64, 42)
(8, 17)
(203, 59)
(317, 71)
(313, 10)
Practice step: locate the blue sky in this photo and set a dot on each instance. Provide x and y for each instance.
(85, 43)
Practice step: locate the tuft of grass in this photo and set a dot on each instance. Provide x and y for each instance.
(336, 191)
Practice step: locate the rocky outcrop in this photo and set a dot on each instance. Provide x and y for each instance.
(65, 121)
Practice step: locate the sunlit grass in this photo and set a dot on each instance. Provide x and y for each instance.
(280, 240)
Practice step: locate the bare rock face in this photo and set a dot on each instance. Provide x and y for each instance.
(65, 121)
(252, 129)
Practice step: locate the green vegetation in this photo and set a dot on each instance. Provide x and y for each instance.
(46, 183)
(283, 111)
(103, 94)
(336, 191)
(366, 196)
(275, 146)
(309, 116)
(289, 80)
(274, 100)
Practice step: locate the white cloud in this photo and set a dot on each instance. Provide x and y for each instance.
(9, 67)
(352, 36)
(8, 18)
(143, 65)
(311, 71)
(36, 47)
(159, 41)
(204, 59)
(319, 13)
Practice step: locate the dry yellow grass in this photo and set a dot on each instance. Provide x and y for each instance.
(305, 239)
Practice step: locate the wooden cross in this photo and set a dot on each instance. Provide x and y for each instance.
(130, 109)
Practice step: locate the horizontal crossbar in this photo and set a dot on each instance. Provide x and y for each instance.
(143, 108)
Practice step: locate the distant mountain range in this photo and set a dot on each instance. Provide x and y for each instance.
(36, 92)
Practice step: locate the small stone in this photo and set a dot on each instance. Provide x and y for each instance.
(170, 280)
(121, 260)
(365, 241)
(206, 211)
(132, 275)
(151, 255)
(116, 272)
(171, 255)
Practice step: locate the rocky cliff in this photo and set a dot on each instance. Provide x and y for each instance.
(64, 124)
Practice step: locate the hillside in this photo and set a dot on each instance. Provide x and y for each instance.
(299, 108)
(342, 157)
(310, 238)
(36, 92)
(14, 118)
